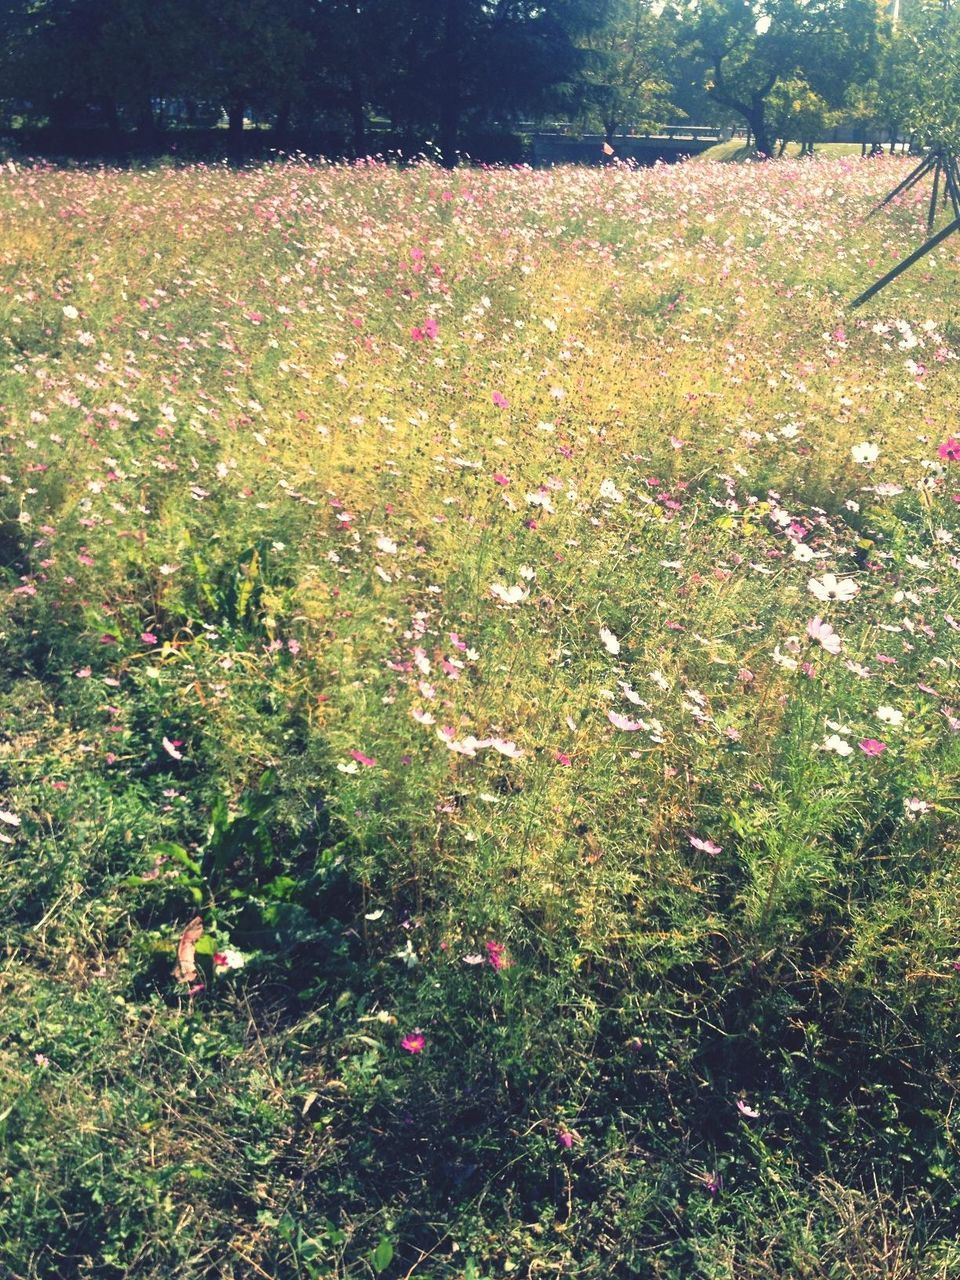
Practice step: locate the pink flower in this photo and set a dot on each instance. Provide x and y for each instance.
(497, 955)
(413, 1042)
(148, 637)
(171, 748)
(360, 758)
(871, 747)
(500, 478)
(565, 1138)
(746, 1110)
(562, 759)
(500, 401)
(950, 450)
(824, 635)
(624, 722)
(705, 846)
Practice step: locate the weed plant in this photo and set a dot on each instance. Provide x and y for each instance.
(517, 614)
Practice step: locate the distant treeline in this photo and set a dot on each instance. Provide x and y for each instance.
(361, 76)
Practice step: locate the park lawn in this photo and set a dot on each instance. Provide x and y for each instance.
(735, 152)
(517, 614)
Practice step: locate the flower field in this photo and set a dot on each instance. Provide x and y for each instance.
(479, 725)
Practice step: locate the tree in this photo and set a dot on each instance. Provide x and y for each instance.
(467, 60)
(752, 46)
(626, 77)
(926, 87)
(249, 55)
(796, 114)
(355, 43)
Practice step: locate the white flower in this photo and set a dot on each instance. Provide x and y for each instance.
(865, 453)
(890, 716)
(803, 553)
(408, 955)
(610, 641)
(915, 808)
(793, 647)
(9, 818)
(829, 587)
(837, 744)
(387, 545)
(610, 491)
(508, 595)
(71, 313)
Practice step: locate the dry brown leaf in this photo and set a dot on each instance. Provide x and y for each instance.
(186, 970)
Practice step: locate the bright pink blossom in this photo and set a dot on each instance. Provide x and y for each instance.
(497, 955)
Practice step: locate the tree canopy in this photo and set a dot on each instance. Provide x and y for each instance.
(442, 70)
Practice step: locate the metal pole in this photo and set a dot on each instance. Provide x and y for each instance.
(908, 182)
(907, 262)
(932, 215)
(953, 182)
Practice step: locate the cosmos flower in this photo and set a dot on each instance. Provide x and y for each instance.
(824, 635)
(610, 641)
(890, 716)
(705, 845)
(865, 453)
(829, 587)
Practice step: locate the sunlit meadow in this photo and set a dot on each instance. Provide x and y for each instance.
(480, 726)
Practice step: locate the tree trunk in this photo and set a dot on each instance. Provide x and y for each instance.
(60, 114)
(450, 104)
(281, 123)
(757, 120)
(358, 116)
(235, 126)
(146, 122)
(111, 114)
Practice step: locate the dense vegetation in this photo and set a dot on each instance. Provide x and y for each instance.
(371, 76)
(500, 629)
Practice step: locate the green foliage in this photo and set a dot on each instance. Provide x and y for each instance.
(751, 50)
(573, 901)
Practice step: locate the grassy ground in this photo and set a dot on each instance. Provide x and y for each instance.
(480, 728)
(734, 151)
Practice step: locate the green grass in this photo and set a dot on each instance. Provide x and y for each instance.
(735, 151)
(415, 577)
